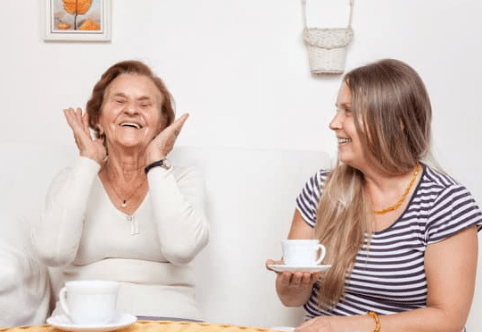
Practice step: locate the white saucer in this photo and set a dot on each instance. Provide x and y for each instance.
(63, 322)
(283, 268)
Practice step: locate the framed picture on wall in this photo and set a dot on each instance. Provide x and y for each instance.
(77, 20)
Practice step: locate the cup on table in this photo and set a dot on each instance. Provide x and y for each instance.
(303, 252)
(90, 302)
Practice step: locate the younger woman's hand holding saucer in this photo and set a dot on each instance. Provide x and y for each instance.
(293, 278)
(295, 287)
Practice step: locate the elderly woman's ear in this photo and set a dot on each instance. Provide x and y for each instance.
(100, 131)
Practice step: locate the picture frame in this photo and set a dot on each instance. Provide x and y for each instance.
(77, 20)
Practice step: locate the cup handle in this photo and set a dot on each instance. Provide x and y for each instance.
(322, 253)
(63, 301)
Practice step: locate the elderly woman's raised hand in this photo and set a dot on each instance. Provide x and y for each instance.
(163, 143)
(88, 147)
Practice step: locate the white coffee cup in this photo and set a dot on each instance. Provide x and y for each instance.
(90, 302)
(303, 252)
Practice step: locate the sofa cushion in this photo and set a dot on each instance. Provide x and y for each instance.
(24, 282)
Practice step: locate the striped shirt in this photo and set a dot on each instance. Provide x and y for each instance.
(391, 277)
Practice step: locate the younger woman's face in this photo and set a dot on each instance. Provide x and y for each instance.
(350, 148)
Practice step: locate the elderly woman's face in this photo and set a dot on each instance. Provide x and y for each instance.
(130, 114)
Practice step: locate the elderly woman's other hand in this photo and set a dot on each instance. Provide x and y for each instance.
(88, 147)
(163, 143)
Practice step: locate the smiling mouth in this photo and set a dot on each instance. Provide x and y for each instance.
(131, 125)
(344, 140)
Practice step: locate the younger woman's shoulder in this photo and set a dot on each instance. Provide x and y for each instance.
(315, 184)
(320, 177)
(439, 178)
(323, 173)
(448, 205)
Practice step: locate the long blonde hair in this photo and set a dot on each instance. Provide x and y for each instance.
(391, 100)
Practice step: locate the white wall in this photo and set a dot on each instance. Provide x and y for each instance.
(240, 68)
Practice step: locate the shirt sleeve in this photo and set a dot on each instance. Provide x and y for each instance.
(56, 235)
(178, 207)
(454, 210)
(307, 201)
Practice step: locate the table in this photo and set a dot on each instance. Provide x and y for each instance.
(155, 326)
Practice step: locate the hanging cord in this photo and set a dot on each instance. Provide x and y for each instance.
(351, 13)
(304, 13)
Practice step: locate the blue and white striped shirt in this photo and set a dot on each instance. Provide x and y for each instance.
(390, 278)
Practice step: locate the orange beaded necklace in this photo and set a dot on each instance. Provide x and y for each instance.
(400, 201)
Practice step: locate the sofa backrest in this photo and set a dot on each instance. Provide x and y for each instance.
(250, 201)
(25, 173)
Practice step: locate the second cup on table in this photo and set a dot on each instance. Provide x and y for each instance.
(90, 302)
(303, 252)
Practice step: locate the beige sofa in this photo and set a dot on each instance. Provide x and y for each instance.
(250, 202)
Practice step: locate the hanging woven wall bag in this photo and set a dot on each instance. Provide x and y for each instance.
(327, 47)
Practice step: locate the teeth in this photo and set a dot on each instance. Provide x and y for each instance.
(129, 124)
(344, 140)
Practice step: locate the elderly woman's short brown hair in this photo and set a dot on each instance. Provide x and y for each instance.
(95, 102)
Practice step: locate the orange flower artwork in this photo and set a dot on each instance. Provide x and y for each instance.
(89, 25)
(84, 20)
(77, 8)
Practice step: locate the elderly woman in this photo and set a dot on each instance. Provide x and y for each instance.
(401, 236)
(123, 212)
